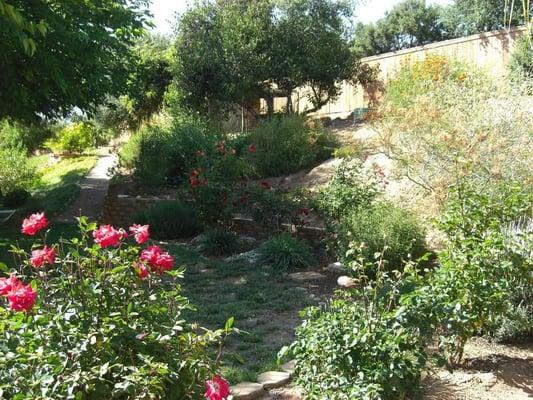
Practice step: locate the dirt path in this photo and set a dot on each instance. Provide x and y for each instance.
(93, 190)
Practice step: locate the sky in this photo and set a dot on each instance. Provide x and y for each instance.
(367, 11)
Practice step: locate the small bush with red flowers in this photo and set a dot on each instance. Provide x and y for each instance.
(99, 316)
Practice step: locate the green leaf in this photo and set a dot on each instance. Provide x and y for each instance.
(229, 324)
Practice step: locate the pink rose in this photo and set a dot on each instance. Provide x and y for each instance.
(6, 284)
(251, 148)
(164, 262)
(217, 389)
(141, 233)
(150, 254)
(21, 297)
(42, 256)
(34, 223)
(159, 261)
(107, 236)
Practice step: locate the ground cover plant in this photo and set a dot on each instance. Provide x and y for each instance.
(265, 307)
(172, 219)
(219, 242)
(115, 330)
(284, 253)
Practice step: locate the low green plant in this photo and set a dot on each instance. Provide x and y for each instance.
(358, 346)
(99, 318)
(521, 62)
(285, 144)
(384, 228)
(74, 138)
(15, 171)
(272, 207)
(171, 219)
(351, 188)
(15, 198)
(219, 242)
(285, 253)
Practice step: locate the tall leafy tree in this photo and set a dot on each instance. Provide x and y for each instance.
(79, 52)
(410, 23)
(234, 51)
(466, 17)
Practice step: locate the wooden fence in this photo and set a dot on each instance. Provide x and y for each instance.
(490, 51)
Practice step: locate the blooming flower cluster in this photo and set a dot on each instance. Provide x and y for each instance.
(46, 255)
(20, 297)
(217, 388)
(194, 178)
(34, 223)
(158, 260)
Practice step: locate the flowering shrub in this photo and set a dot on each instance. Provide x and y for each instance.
(100, 317)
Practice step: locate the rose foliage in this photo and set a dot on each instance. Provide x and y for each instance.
(99, 316)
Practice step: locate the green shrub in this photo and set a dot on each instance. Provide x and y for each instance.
(219, 242)
(97, 322)
(271, 207)
(521, 63)
(285, 253)
(171, 220)
(16, 198)
(15, 170)
(480, 268)
(27, 137)
(352, 187)
(382, 228)
(164, 154)
(285, 144)
(74, 138)
(359, 346)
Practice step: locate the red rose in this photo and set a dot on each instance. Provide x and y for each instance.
(221, 146)
(141, 233)
(107, 236)
(150, 254)
(46, 255)
(21, 297)
(141, 269)
(164, 262)
(158, 261)
(6, 284)
(265, 185)
(217, 389)
(34, 223)
(251, 148)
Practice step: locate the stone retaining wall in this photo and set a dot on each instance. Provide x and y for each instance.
(120, 210)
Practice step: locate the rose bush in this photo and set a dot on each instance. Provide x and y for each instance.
(100, 317)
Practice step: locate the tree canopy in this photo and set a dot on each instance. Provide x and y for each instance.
(414, 23)
(234, 51)
(59, 54)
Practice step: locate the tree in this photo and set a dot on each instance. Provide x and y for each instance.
(410, 23)
(234, 51)
(467, 17)
(80, 53)
(149, 79)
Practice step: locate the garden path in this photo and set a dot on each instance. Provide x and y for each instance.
(93, 189)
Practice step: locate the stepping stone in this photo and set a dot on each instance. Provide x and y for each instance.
(289, 367)
(246, 391)
(346, 281)
(306, 276)
(272, 379)
(336, 267)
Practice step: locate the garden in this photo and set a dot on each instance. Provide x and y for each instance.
(290, 258)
